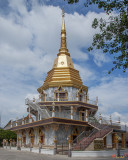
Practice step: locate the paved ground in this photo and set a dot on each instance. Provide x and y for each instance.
(21, 155)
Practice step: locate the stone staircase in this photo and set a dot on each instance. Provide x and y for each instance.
(99, 131)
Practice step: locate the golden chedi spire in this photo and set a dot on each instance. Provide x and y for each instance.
(63, 49)
(63, 72)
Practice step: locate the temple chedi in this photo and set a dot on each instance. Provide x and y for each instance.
(63, 111)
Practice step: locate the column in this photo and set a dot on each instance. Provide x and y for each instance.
(87, 97)
(53, 109)
(100, 118)
(29, 114)
(70, 146)
(110, 120)
(71, 112)
(86, 118)
(55, 145)
(23, 120)
(114, 140)
(123, 140)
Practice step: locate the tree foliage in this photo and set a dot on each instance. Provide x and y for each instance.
(6, 134)
(113, 35)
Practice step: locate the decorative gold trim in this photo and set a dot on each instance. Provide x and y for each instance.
(71, 79)
(73, 105)
(51, 123)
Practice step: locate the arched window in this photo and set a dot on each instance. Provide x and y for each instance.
(60, 94)
(31, 136)
(41, 136)
(81, 95)
(42, 96)
(24, 138)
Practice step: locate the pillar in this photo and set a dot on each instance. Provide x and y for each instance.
(23, 121)
(100, 118)
(55, 145)
(86, 118)
(53, 109)
(87, 98)
(6, 143)
(70, 146)
(10, 143)
(114, 140)
(29, 115)
(110, 119)
(71, 112)
(123, 140)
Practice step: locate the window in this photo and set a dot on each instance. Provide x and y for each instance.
(60, 94)
(81, 95)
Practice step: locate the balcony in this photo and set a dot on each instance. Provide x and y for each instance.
(70, 99)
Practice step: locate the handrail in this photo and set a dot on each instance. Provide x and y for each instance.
(94, 130)
(78, 136)
(36, 107)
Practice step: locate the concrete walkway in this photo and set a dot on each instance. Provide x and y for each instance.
(6, 154)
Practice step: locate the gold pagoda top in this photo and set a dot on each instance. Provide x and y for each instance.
(63, 72)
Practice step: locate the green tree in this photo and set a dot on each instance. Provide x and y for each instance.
(6, 134)
(113, 36)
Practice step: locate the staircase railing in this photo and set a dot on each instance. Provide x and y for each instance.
(77, 139)
(99, 131)
(34, 105)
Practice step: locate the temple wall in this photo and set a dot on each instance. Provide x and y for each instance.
(62, 133)
(66, 113)
(27, 138)
(71, 93)
(36, 139)
(49, 136)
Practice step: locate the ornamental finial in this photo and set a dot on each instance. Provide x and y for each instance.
(63, 48)
(63, 11)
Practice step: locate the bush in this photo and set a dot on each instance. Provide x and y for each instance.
(6, 134)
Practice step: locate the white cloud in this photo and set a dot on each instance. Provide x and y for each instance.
(112, 93)
(99, 58)
(86, 73)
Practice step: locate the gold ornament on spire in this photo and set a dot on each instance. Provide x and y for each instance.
(63, 49)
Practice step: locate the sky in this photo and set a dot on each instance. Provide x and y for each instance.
(29, 42)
